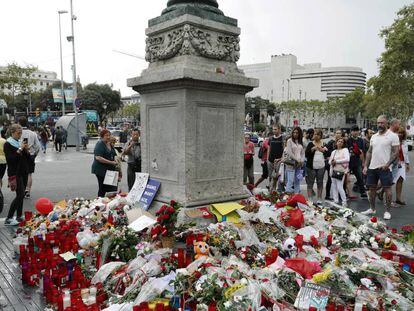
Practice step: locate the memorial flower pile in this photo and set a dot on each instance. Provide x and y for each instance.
(280, 253)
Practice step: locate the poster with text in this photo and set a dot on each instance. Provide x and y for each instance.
(141, 180)
(149, 193)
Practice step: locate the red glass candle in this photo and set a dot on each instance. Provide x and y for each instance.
(159, 307)
(28, 215)
(188, 259)
(181, 258)
(340, 308)
(330, 307)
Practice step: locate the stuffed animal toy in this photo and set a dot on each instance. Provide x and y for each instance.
(201, 249)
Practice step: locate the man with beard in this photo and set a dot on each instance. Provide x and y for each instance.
(382, 153)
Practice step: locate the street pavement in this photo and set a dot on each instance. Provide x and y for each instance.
(400, 216)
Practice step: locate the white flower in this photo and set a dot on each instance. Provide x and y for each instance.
(387, 240)
(243, 281)
(374, 245)
(372, 240)
(227, 304)
(343, 232)
(238, 298)
(198, 287)
(375, 225)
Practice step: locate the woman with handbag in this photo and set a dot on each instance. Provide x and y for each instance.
(339, 162)
(315, 165)
(104, 160)
(403, 166)
(17, 157)
(295, 156)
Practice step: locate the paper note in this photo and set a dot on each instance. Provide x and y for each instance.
(111, 178)
(141, 180)
(226, 208)
(142, 223)
(67, 256)
(201, 212)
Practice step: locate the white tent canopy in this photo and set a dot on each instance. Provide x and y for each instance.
(68, 122)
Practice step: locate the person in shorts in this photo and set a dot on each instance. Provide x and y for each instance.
(382, 153)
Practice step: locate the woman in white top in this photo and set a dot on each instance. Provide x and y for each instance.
(294, 158)
(339, 163)
(403, 165)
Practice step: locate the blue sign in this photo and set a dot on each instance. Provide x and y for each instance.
(149, 193)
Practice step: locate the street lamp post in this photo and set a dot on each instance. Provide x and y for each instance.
(61, 63)
(75, 87)
(104, 106)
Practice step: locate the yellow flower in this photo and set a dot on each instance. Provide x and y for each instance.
(322, 276)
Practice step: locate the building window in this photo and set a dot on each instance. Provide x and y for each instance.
(40, 76)
(47, 83)
(41, 83)
(45, 76)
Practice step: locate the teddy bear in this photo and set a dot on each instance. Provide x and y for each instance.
(201, 249)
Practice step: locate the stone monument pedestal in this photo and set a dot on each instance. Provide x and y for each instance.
(192, 108)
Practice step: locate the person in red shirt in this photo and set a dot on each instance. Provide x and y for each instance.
(265, 168)
(248, 150)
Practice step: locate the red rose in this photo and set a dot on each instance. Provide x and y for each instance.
(394, 302)
(197, 274)
(374, 219)
(170, 210)
(393, 230)
(173, 202)
(314, 241)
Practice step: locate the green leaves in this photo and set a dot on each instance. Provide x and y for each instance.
(394, 86)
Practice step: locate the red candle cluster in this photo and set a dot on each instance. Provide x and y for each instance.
(62, 282)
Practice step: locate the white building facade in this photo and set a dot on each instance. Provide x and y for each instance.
(44, 79)
(283, 79)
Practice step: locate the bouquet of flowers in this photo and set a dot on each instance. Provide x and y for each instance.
(166, 218)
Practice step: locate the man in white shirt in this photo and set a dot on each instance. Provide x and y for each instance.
(382, 153)
(34, 148)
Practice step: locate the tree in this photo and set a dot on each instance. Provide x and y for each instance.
(394, 86)
(17, 79)
(352, 103)
(96, 96)
(131, 110)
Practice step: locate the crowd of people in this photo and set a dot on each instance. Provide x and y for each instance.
(378, 161)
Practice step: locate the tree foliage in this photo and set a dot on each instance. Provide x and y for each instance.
(96, 96)
(393, 88)
(17, 79)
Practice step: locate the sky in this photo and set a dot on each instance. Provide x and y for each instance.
(332, 32)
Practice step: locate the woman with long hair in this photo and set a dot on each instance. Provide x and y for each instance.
(403, 166)
(17, 157)
(295, 156)
(339, 162)
(315, 165)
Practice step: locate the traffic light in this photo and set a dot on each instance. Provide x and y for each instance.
(37, 112)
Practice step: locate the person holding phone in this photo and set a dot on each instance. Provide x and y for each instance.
(133, 151)
(34, 147)
(18, 158)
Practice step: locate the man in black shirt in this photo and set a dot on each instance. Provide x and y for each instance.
(276, 147)
(357, 159)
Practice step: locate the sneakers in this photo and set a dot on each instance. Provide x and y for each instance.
(364, 196)
(368, 212)
(20, 219)
(352, 197)
(387, 216)
(27, 194)
(319, 202)
(11, 222)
